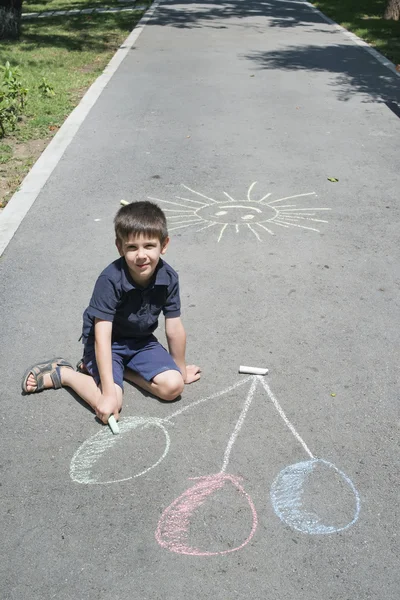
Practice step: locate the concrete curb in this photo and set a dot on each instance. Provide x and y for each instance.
(20, 203)
(379, 57)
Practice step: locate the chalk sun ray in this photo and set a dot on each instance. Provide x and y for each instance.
(308, 208)
(207, 226)
(230, 197)
(188, 221)
(179, 210)
(307, 219)
(301, 226)
(199, 194)
(222, 231)
(170, 218)
(249, 191)
(277, 223)
(170, 202)
(182, 226)
(266, 228)
(255, 232)
(293, 214)
(189, 200)
(290, 197)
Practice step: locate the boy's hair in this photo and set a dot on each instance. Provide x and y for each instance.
(141, 218)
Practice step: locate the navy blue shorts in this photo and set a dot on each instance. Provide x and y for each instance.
(146, 357)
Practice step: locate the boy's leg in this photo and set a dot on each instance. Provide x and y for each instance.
(153, 369)
(84, 385)
(167, 385)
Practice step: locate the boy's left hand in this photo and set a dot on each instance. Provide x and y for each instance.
(192, 373)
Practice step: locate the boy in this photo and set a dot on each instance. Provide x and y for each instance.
(118, 324)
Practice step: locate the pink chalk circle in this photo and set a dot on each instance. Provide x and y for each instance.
(173, 527)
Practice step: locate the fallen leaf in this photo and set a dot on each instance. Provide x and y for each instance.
(333, 394)
(53, 127)
(398, 68)
(332, 179)
(251, 75)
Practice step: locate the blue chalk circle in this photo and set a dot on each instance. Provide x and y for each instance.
(315, 497)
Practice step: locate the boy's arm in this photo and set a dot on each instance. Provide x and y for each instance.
(176, 338)
(102, 344)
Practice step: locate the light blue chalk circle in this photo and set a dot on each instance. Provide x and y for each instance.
(294, 502)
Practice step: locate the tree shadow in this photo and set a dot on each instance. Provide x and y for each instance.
(285, 13)
(76, 34)
(353, 69)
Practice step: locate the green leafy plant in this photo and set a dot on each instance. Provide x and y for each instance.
(12, 97)
(46, 89)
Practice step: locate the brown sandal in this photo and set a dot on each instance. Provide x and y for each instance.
(40, 370)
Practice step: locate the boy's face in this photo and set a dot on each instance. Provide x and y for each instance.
(142, 255)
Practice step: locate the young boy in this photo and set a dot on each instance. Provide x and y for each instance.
(118, 324)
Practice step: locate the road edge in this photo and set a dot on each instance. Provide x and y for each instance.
(357, 40)
(22, 200)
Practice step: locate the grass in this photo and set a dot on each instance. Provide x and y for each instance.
(70, 52)
(365, 19)
(37, 6)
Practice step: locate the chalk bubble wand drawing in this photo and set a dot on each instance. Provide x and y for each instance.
(174, 525)
(292, 492)
(256, 216)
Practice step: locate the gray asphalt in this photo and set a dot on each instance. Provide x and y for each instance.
(215, 97)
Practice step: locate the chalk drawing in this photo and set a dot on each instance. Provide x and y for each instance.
(174, 525)
(311, 496)
(91, 451)
(246, 214)
(288, 489)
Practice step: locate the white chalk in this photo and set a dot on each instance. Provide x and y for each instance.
(124, 202)
(253, 370)
(113, 424)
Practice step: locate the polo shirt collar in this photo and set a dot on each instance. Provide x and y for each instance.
(128, 284)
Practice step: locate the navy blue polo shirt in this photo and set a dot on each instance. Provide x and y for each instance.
(133, 310)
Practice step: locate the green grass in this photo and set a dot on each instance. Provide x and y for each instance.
(70, 52)
(6, 153)
(37, 6)
(365, 19)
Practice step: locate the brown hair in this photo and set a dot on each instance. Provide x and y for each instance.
(141, 218)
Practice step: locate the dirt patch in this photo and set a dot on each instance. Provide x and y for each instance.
(23, 157)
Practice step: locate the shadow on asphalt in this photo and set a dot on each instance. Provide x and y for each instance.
(354, 69)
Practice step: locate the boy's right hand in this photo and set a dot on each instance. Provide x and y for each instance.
(107, 406)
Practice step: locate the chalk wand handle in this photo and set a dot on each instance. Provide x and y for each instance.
(113, 424)
(253, 370)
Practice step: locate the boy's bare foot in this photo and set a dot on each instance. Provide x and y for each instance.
(44, 375)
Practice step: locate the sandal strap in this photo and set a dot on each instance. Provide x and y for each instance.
(39, 381)
(56, 378)
(51, 367)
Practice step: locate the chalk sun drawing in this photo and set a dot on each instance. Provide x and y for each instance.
(288, 492)
(261, 217)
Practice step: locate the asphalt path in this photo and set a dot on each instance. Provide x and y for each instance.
(212, 98)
